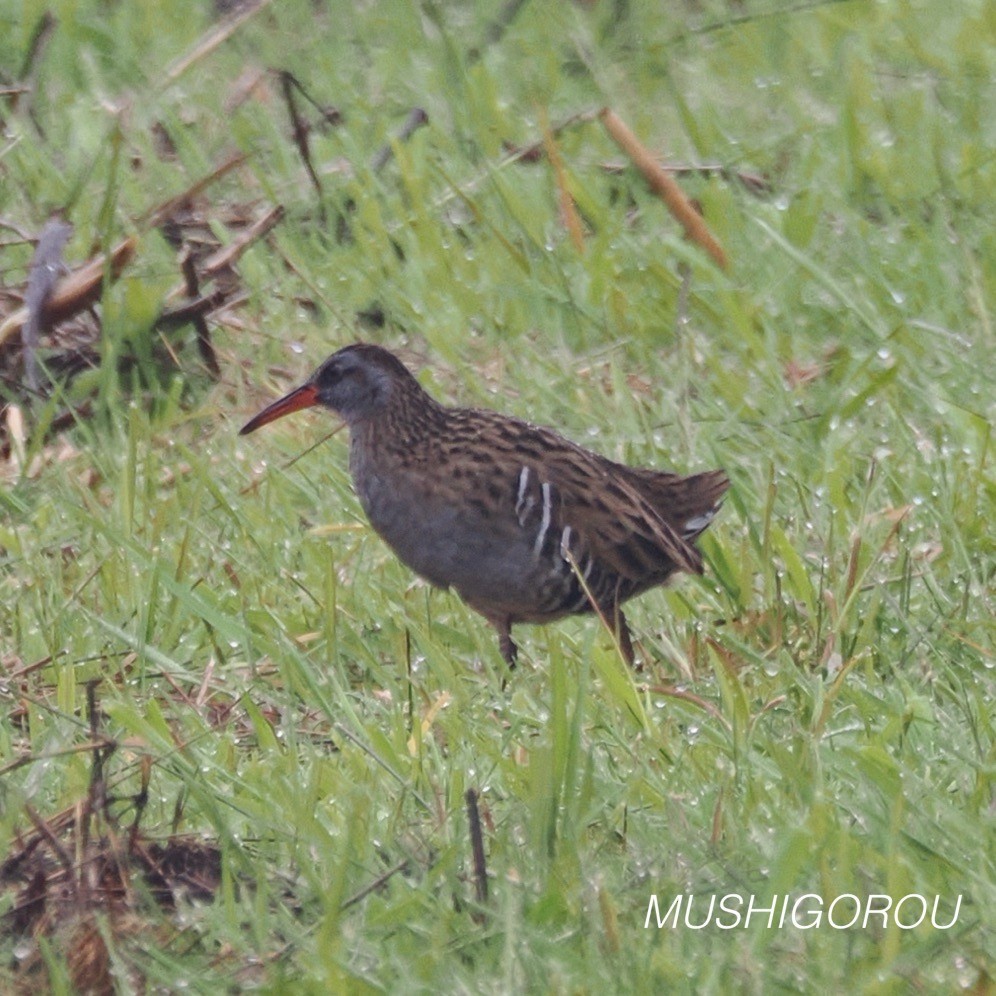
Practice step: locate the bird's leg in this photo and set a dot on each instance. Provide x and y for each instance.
(622, 635)
(505, 642)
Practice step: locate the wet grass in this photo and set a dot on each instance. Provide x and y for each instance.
(816, 715)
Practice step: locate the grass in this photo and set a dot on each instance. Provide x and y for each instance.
(817, 714)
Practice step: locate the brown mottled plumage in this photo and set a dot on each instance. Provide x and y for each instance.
(524, 524)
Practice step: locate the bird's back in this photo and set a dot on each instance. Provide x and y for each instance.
(525, 523)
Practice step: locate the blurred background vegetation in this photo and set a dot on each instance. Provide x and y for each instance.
(223, 694)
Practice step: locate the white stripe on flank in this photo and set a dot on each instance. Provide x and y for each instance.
(565, 542)
(520, 500)
(545, 522)
(696, 525)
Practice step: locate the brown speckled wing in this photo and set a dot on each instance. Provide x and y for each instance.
(687, 503)
(570, 499)
(618, 523)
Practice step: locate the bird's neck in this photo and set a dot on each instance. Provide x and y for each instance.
(410, 418)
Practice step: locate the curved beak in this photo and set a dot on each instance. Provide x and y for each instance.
(306, 396)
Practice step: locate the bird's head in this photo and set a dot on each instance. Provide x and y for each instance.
(356, 383)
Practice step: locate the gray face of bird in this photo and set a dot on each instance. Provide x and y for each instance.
(360, 383)
(350, 389)
(356, 385)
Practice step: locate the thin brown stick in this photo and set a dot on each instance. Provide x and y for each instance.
(663, 185)
(29, 757)
(83, 287)
(223, 259)
(53, 841)
(674, 692)
(288, 83)
(205, 347)
(211, 39)
(754, 183)
(533, 151)
(140, 801)
(417, 117)
(375, 884)
(154, 217)
(568, 209)
(77, 291)
(230, 254)
(97, 789)
(175, 317)
(477, 846)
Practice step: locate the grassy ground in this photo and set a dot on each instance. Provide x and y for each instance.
(817, 713)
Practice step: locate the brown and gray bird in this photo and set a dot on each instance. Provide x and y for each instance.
(525, 525)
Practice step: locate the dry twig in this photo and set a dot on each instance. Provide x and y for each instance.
(663, 185)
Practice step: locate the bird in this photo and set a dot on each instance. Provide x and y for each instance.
(525, 525)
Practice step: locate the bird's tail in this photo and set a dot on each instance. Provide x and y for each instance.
(688, 504)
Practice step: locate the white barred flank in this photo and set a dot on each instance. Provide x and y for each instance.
(545, 521)
(523, 501)
(699, 523)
